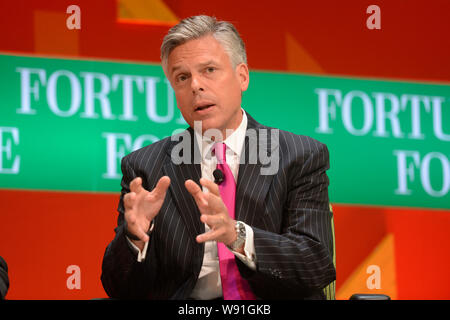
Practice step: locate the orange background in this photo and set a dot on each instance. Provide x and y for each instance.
(43, 232)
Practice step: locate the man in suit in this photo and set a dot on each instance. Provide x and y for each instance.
(265, 232)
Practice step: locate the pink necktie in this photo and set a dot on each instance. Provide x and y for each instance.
(234, 287)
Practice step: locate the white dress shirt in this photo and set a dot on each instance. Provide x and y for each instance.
(209, 285)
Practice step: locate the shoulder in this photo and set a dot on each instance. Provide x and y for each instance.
(288, 141)
(152, 152)
(300, 143)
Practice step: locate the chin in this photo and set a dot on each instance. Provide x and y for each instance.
(210, 124)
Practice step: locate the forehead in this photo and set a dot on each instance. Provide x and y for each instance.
(196, 52)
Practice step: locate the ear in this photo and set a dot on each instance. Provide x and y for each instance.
(164, 67)
(243, 76)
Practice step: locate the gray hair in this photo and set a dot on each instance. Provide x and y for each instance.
(196, 27)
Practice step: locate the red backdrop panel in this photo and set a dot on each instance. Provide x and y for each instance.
(42, 233)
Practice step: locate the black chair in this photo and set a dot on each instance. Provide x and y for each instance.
(4, 280)
(330, 290)
(367, 296)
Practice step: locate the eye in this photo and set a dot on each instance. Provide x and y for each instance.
(181, 77)
(210, 69)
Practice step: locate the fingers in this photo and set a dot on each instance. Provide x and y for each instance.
(211, 235)
(136, 185)
(141, 235)
(192, 187)
(213, 197)
(222, 229)
(129, 200)
(211, 186)
(135, 225)
(135, 229)
(196, 192)
(161, 187)
(208, 202)
(214, 221)
(142, 206)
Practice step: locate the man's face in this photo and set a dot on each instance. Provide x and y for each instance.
(206, 85)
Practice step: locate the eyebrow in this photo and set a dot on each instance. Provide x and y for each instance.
(209, 62)
(201, 65)
(174, 69)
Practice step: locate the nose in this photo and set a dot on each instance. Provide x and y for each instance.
(196, 83)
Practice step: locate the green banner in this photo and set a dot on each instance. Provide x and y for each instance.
(65, 125)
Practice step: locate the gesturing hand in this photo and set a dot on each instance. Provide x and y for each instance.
(213, 212)
(141, 206)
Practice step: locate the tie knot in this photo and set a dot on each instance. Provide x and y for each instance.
(220, 152)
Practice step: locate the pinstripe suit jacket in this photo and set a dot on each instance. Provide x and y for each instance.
(288, 212)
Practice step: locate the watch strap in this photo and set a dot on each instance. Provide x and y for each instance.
(241, 235)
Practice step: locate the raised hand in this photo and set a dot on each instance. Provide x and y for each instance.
(213, 212)
(141, 206)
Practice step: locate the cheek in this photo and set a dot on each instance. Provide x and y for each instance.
(230, 92)
(183, 102)
(232, 99)
(184, 107)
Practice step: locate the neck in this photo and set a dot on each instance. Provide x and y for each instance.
(234, 125)
(220, 134)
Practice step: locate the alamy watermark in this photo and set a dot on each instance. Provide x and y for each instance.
(374, 20)
(263, 147)
(74, 280)
(374, 280)
(74, 20)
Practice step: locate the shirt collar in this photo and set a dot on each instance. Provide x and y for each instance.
(234, 142)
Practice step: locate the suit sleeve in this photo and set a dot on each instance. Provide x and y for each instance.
(297, 262)
(122, 275)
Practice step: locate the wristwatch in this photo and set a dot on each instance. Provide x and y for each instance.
(241, 235)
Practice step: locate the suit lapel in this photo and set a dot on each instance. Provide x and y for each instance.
(252, 186)
(178, 174)
(251, 189)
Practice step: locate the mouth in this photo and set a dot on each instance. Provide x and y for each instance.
(203, 107)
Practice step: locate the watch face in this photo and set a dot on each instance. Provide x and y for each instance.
(241, 230)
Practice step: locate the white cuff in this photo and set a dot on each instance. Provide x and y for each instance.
(140, 254)
(249, 249)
